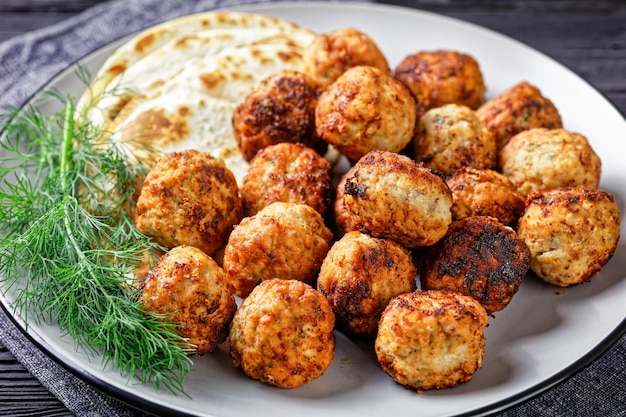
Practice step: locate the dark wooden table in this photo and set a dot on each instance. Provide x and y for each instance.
(587, 36)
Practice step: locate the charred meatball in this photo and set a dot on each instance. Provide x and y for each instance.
(365, 109)
(542, 158)
(283, 240)
(571, 232)
(450, 137)
(390, 196)
(331, 54)
(484, 192)
(520, 108)
(190, 289)
(442, 77)
(283, 334)
(287, 172)
(479, 257)
(360, 275)
(431, 339)
(280, 109)
(189, 198)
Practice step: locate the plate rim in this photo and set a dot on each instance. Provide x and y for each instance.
(137, 402)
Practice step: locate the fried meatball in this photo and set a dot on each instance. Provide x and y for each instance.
(549, 158)
(571, 232)
(431, 339)
(280, 109)
(287, 172)
(442, 77)
(189, 288)
(520, 108)
(331, 54)
(390, 196)
(365, 109)
(360, 275)
(479, 257)
(450, 137)
(484, 192)
(283, 334)
(283, 240)
(189, 198)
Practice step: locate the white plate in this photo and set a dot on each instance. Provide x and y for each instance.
(539, 339)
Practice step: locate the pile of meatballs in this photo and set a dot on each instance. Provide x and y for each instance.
(447, 202)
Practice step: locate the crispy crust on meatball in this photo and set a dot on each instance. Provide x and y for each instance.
(331, 54)
(190, 288)
(442, 77)
(431, 339)
(189, 198)
(450, 137)
(283, 334)
(365, 109)
(390, 196)
(287, 172)
(280, 109)
(484, 192)
(360, 275)
(571, 232)
(542, 158)
(479, 257)
(283, 240)
(519, 108)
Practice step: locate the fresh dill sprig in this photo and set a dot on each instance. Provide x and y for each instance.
(69, 247)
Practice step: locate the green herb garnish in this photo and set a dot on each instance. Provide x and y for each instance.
(69, 246)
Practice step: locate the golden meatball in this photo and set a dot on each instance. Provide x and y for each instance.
(450, 137)
(331, 54)
(520, 108)
(365, 109)
(442, 77)
(283, 334)
(190, 289)
(360, 275)
(189, 198)
(549, 158)
(344, 221)
(287, 172)
(390, 196)
(431, 339)
(571, 232)
(283, 240)
(484, 192)
(280, 109)
(479, 257)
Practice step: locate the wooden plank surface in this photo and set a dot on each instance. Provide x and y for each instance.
(587, 36)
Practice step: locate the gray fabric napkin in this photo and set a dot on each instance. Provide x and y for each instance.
(28, 62)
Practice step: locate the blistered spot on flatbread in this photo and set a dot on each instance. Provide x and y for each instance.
(117, 69)
(212, 80)
(144, 42)
(158, 127)
(289, 56)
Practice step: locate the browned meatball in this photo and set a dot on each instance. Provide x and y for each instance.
(571, 232)
(283, 240)
(542, 158)
(479, 257)
(484, 192)
(280, 109)
(450, 137)
(287, 172)
(520, 108)
(442, 77)
(389, 195)
(283, 334)
(344, 221)
(331, 54)
(365, 109)
(189, 198)
(190, 289)
(431, 339)
(360, 275)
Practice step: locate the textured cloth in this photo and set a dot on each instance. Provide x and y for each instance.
(28, 62)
